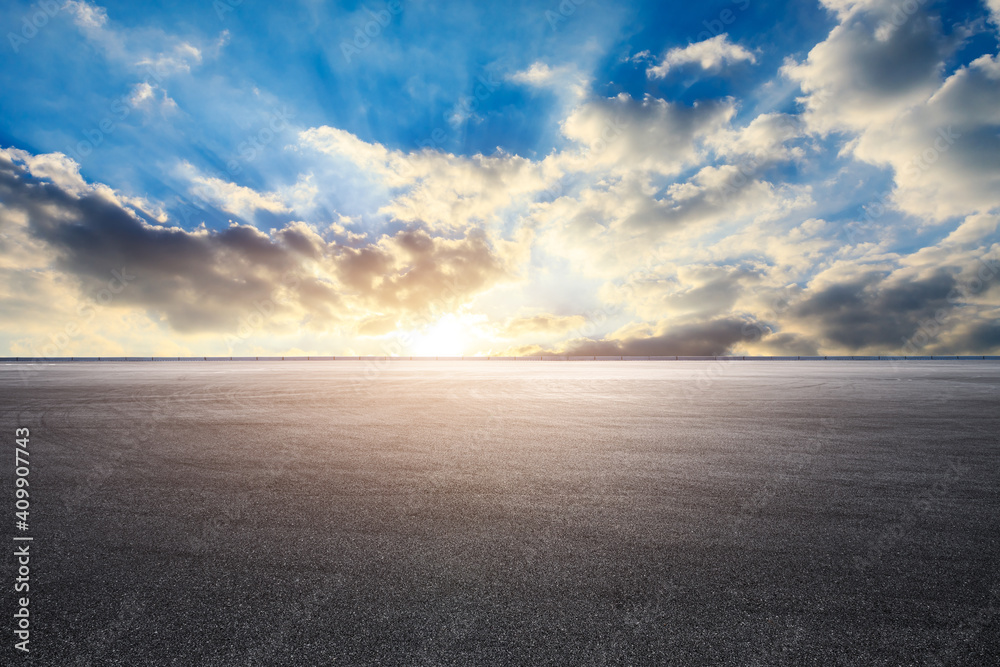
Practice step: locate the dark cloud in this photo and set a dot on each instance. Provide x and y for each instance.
(713, 338)
(414, 271)
(208, 281)
(980, 338)
(197, 281)
(867, 313)
(299, 239)
(716, 290)
(906, 59)
(792, 344)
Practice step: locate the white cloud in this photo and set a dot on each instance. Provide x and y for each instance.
(566, 79)
(87, 16)
(64, 173)
(203, 284)
(150, 96)
(179, 59)
(668, 215)
(237, 199)
(852, 80)
(440, 190)
(974, 229)
(152, 51)
(994, 7)
(765, 138)
(142, 93)
(625, 134)
(878, 77)
(709, 55)
(845, 8)
(945, 154)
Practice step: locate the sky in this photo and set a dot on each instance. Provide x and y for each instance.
(452, 178)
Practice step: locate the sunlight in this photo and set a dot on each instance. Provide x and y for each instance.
(448, 337)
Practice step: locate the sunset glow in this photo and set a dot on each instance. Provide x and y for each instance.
(581, 178)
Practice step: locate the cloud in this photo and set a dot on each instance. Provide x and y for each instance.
(566, 78)
(920, 303)
(872, 313)
(624, 134)
(209, 281)
(238, 199)
(179, 59)
(412, 270)
(619, 224)
(710, 54)
(699, 291)
(973, 229)
(443, 191)
(144, 96)
(945, 154)
(546, 324)
(983, 336)
(87, 16)
(853, 79)
(688, 227)
(151, 54)
(994, 7)
(878, 77)
(712, 338)
(766, 138)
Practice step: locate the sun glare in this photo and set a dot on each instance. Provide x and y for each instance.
(448, 337)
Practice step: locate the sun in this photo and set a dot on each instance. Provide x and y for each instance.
(448, 337)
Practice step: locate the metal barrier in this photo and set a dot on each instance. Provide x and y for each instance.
(47, 360)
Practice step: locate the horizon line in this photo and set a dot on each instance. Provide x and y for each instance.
(105, 359)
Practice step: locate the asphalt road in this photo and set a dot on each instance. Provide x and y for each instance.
(498, 513)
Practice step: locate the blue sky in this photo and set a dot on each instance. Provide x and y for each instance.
(596, 176)
(397, 91)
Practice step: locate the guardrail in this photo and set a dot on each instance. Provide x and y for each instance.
(535, 358)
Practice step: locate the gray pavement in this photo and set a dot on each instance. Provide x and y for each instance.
(493, 513)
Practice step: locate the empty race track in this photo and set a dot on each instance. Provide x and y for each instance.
(490, 513)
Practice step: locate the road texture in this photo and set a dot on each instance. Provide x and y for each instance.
(498, 513)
